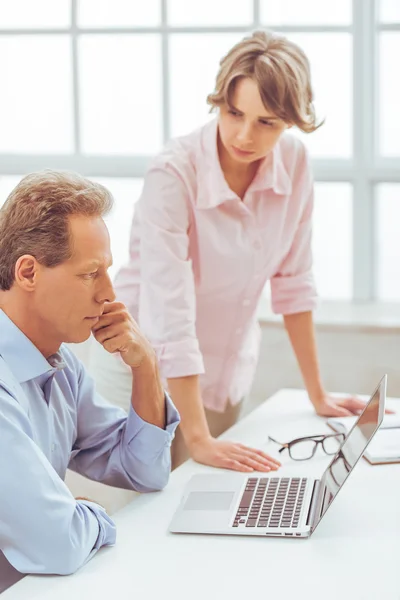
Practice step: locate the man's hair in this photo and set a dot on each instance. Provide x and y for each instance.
(282, 72)
(35, 218)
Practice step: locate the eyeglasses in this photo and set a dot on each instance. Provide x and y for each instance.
(304, 448)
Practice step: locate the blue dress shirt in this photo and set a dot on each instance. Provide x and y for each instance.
(52, 418)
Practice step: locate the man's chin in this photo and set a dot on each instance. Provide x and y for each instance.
(78, 338)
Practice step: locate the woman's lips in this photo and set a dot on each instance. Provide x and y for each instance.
(240, 152)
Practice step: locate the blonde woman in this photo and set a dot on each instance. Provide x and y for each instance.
(223, 210)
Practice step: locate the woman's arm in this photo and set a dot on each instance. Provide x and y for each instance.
(294, 296)
(185, 392)
(301, 333)
(300, 328)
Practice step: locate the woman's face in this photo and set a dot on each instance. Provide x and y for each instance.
(247, 130)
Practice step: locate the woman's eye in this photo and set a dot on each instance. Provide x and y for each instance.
(267, 123)
(90, 275)
(234, 113)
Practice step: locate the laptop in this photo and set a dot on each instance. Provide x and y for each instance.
(270, 505)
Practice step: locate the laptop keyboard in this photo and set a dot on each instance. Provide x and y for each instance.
(271, 502)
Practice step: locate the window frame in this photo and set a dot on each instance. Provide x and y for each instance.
(364, 170)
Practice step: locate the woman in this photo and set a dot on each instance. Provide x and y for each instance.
(223, 210)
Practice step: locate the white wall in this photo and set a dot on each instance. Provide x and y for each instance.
(352, 358)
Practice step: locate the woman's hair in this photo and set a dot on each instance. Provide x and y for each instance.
(282, 72)
(34, 218)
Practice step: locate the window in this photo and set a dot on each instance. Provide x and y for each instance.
(388, 246)
(99, 86)
(36, 98)
(333, 253)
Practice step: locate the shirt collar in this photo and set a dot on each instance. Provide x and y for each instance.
(270, 175)
(24, 360)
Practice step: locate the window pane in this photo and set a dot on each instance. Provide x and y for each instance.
(389, 11)
(120, 85)
(7, 184)
(388, 246)
(118, 13)
(194, 63)
(210, 12)
(333, 92)
(332, 240)
(126, 192)
(310, 12)
(28, 14)
(389, 129)
(36, 94)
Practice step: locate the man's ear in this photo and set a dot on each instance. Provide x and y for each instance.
(26, 272)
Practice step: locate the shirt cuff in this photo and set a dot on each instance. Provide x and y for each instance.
(295, 294)
(179, 359)
(146, 440)
(107, 530)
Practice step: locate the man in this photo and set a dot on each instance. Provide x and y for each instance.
(54, 288)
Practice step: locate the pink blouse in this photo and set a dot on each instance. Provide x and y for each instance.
(200, 258)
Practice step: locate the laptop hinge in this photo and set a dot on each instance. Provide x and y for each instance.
(314, 503)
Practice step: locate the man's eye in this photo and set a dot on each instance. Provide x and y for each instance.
(90, 275)
(267, 123)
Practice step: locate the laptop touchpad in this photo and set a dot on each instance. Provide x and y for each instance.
(209, 501)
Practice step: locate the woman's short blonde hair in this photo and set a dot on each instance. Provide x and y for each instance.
(35, 218)
(282, 72)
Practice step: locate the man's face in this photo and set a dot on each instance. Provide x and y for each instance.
(69, 298)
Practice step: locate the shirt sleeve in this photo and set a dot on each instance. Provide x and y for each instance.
(167, 304)
(293, 286)
(119, 449)
(43, 529)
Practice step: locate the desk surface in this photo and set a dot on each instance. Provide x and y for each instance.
(354, 554)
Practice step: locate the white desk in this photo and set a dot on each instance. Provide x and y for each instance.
(354, 554)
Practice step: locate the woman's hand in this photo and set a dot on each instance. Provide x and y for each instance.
(231, 455)
(332, 406)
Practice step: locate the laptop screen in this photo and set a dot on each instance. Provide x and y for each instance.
(351, 450)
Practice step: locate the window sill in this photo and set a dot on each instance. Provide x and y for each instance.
(337, 315)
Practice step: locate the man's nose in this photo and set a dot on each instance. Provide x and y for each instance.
(107, 293)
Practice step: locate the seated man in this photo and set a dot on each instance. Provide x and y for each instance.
(54, 288)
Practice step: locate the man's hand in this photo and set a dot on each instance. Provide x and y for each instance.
(89, 500)
(117, 331)
(230, 455)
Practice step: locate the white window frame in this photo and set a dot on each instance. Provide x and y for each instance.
(364, 170)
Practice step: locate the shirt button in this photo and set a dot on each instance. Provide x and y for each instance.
(53, 447)
(246, 302)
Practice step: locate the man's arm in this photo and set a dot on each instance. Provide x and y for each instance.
(131, 452)
(42, 528)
